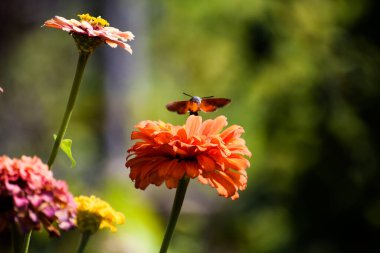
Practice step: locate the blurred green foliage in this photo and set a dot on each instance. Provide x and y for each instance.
(304, 82)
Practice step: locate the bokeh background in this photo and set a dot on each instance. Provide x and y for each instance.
(303, 76)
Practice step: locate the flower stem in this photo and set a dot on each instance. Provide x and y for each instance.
(83, 242)
(26, 241)
(176, 209)
(82, 60)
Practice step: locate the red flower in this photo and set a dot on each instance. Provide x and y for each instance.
(93, 27)
(197, 150)
(31, 198)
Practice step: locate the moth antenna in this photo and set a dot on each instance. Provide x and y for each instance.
(208, 97)
(187, 94)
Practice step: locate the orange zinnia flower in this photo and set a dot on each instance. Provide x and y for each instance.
(196, 150)
(93, 27)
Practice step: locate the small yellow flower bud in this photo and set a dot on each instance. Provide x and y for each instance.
(94, 214)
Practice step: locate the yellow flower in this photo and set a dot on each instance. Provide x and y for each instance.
(94, 214)
(94, 20)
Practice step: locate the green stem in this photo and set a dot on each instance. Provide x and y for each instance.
(26, 241)
(82, 60)
(176, 209)
(83, 242)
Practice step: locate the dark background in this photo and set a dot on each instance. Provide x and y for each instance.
(303, 77)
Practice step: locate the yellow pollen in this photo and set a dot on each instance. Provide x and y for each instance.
(93, 20)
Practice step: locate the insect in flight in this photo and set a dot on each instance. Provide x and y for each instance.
(196, 104)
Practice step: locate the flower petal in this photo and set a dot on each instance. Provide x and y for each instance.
(192, 169)
(210, 127)
(193, 124)
(206, 162)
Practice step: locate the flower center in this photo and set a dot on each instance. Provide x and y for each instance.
(88, 221)
(94, 21)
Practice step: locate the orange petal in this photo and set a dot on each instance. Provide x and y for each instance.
(163, 137)
(151, 167)
(111, 43)
(206, 162)
(178, 170)
(240, 178)
(192, 169)
(224, 185)
(139, 135)
(237, 163)
(233, 131)
(156, 179)
(164, 170)
(137, 161)
(211, 127)
(239, 148)
(182, 134)
(171, 183)
(193, 124)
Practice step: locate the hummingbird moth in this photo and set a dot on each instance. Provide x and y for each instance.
(196, 104)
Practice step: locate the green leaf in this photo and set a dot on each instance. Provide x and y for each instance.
(66, 148)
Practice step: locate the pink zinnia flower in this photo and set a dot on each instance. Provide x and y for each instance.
(167, 153)
(92, 27)
(31, 198)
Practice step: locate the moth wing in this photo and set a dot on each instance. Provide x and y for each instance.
(181, 107)
(211, 104)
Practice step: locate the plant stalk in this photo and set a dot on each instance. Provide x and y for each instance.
(25, 246)
(82, 60)
(83, 242)
(176, 209)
